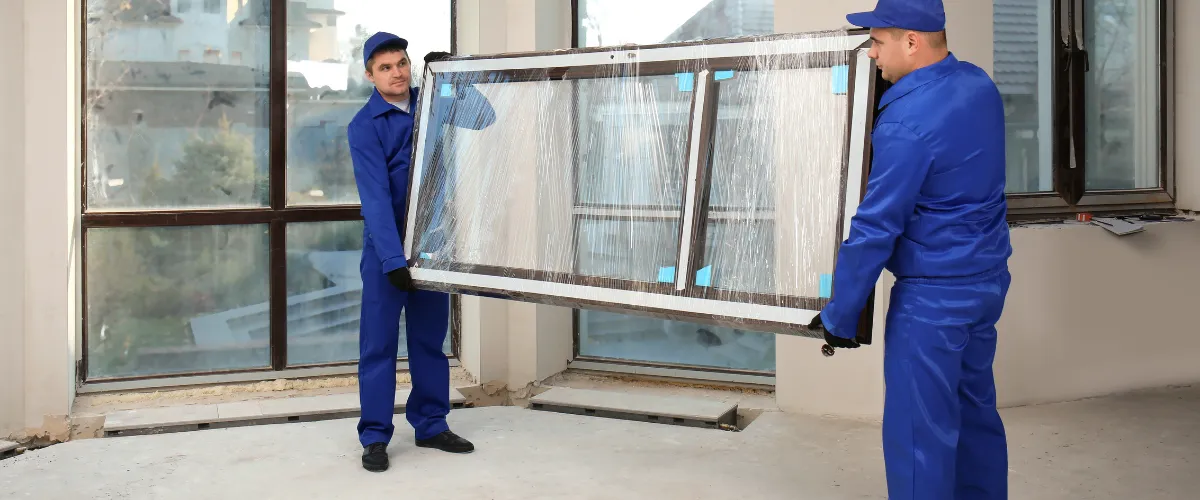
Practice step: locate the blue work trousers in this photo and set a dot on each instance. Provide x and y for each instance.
(427, 318)
(942, 436)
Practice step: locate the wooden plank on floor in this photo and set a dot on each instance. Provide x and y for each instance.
(652, 408)
(263, 411)
(8, 448)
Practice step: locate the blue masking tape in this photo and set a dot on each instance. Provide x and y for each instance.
(841, 80)
(687, 81)
(666, 274)
(426, 255)
(826, 286)
(447, 90)
(704, 276)
(723, 75)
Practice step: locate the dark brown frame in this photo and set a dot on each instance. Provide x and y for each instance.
(650, 69)
(276, 216)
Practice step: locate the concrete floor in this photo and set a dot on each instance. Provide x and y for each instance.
(1144, 446)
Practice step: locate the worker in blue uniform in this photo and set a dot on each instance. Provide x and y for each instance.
(381, 145)
(934, 216)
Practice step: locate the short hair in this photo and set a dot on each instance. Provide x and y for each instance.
(388, 47)
(936, 39)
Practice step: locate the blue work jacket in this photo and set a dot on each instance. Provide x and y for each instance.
(381, 148)
(934, 205)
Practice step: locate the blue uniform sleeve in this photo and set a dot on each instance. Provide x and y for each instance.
(374, 190)
(899, 165)
(466, 108)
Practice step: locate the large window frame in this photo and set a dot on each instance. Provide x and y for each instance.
(276, 216)
(1069, 165)
(682, 299)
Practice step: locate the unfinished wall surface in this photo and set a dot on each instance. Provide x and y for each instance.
(1090, 313)
(12, 220)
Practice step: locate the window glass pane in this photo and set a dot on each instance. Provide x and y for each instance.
(1023, 70)
(172, 120)
(608, 335)
(328, 85)
(637, 338)
(325, 293)
(632, 133)
(171, 300)
(508, 187)
(1122, 94)
(767, 165)
(605, 246)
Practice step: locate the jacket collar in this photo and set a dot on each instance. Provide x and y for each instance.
(378, 106)
(919, 78)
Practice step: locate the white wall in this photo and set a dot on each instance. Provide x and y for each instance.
(12, 220)
(40, 213)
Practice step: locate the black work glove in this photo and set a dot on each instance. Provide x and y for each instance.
(831, 339)
(435, 56)
(402, 279)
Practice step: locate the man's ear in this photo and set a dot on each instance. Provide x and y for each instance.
(913, 39)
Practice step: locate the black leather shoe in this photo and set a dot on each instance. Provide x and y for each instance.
(375, 457)
(448, 442)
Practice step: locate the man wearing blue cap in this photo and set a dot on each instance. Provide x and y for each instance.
(381, 141)
(933, 215)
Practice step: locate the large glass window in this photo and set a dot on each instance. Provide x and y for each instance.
(1082, 82)
(629, 238)
(212, 127)
(610, 336)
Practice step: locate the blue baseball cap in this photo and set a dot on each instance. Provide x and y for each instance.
(378, 40)
(916, 15)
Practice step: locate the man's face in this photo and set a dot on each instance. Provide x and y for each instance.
(391, 73)
(891, 53)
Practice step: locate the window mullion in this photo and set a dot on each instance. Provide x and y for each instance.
(691, 246)
(277, 156)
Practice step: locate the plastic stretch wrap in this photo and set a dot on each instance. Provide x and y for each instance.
(708, 181)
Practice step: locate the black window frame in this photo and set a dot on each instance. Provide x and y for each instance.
(1069, 193)
(276, 215)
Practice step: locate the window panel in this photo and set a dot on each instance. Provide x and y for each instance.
(1023, 54)
(324, 289)
(1122, 94)
(169, 124)
(632, 135)
(606, 22)
(174, 300)
(637, 338)
(511, 228)
(605, 245)
(330, 85)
